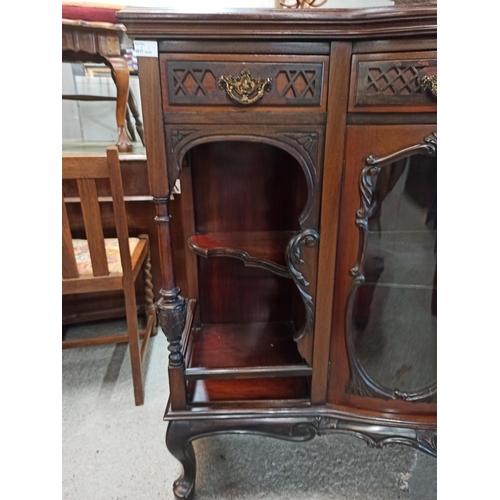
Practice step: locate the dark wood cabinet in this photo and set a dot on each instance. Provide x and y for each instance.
(305, 144)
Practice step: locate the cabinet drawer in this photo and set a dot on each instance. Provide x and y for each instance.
(393, 82)
(243, 81)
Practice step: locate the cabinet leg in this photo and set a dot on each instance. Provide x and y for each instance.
(180, 446)
(181, 434)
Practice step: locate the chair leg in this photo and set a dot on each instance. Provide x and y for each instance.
(133, 336)
(148, 287)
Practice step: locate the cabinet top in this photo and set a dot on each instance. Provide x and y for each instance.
(377, 22)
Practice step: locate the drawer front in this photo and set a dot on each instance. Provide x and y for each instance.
(243, 81)
(401, 82)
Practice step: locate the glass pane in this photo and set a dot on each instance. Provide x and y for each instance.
(394, 314)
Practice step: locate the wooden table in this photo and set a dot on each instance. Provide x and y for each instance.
(84, 41)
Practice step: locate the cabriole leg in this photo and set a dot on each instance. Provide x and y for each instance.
(180, 446)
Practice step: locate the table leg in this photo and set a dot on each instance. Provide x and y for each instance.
(132, 104)
(120, 73)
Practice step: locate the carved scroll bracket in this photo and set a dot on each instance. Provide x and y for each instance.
(375, 436)
(293, 258)
(303, 4)
(367, 184)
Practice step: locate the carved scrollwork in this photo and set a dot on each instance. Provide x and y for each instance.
(172, 318)
(293, 258)
(178, 136)
(303, 4)
(427, 440)
(181, 434)
(367, 185)
(309, 143)
(375, 436)
(360, 382)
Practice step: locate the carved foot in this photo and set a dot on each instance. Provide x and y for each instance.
(181, 434)
(124, 144)
(179, 445)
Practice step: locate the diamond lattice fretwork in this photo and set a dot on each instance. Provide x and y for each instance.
(188, 82)
(397, 80)
(296, 83)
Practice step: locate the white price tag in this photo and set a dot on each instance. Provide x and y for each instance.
(146, 48)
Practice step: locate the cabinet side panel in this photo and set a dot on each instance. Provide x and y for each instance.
(153, 125)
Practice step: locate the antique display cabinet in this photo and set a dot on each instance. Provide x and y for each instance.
(305, 144)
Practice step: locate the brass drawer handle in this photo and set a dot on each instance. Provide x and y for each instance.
(244, 89)
(429, 83)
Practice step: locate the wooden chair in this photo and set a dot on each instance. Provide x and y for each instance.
(90, 266)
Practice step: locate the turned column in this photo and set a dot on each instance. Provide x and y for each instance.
(171, 308)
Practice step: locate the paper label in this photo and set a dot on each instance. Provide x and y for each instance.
(146, 48)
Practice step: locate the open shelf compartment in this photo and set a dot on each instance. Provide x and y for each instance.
(247, 350)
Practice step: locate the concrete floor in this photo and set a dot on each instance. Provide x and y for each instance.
(113, 450)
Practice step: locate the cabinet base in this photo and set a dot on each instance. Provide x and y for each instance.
(181, 434)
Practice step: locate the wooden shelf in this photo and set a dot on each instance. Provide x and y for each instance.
(265, 249)
(255, 350)
(206, 392)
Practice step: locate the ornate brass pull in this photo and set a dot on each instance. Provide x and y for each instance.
(244, 89)
(430, 83)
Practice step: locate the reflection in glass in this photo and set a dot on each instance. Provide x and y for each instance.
(393, 315)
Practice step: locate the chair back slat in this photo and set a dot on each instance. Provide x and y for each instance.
(88, 167)
(85, 169)
(119, 211)
(93, 226)
(69, 267)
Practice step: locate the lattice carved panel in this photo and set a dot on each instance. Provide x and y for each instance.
(297, 84)
(392, 82)
(195, 83)
(397, 80)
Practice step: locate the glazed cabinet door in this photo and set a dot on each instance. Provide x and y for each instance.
(385, 309)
